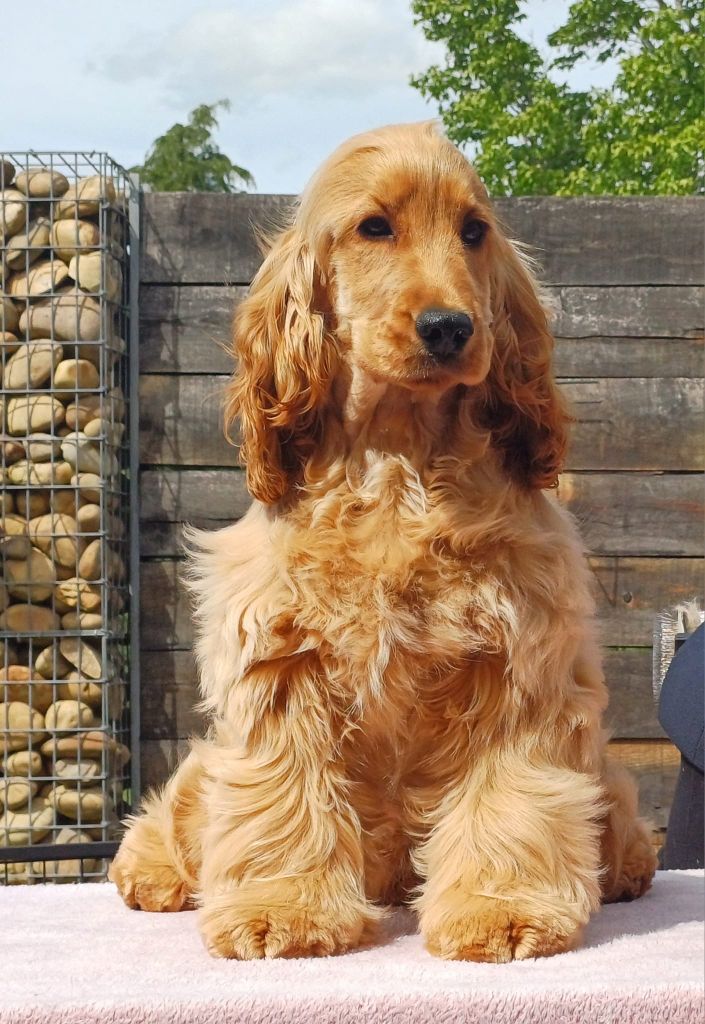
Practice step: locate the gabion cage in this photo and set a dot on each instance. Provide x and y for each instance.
(68, 238)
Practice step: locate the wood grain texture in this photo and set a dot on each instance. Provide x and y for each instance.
(629, 593)
(186, 329)
(622, 423)
(618, 513)
(210, 239)
(620, 312)
(654, 763)
(169, 700)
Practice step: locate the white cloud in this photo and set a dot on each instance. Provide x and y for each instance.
(304, 48)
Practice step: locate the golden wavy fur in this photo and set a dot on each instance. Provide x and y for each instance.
(395, 644)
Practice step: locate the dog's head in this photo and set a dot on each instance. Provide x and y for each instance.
(395, 267)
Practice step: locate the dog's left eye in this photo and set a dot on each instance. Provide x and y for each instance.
(473, 231)
(375, 227)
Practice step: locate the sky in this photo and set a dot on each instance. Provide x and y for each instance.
(301, 75)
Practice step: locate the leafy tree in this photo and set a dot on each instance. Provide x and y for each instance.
(532, 134)
(186, 159)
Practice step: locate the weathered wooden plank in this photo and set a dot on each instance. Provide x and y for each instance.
(170, 695)
(588, 240)
(206, 498)
(186, 330)
(619, 513)
(627, 312)
(637, 513)
(628, 357)
(646, 424)
(653, 763)
(631, 424)
(629, 594)
(211, 239)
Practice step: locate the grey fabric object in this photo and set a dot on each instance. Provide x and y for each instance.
(682, 704)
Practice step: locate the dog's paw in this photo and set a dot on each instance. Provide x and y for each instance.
(253, 923)
(636, 870)
(145, 886)
(494, 930)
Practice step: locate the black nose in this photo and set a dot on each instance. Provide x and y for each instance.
(443, 331)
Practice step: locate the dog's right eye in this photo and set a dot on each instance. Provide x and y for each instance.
(375, 227)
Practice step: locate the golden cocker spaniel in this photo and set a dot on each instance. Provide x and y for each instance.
(396, 643)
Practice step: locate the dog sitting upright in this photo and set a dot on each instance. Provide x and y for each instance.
(396, 643)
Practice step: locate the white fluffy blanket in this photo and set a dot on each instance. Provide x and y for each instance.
(76, 955)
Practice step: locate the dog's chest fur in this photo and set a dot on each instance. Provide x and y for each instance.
(378, 580)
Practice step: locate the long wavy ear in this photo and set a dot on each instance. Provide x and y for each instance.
(523, 408)
(284, 368)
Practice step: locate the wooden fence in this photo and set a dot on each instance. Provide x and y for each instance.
(626, 278)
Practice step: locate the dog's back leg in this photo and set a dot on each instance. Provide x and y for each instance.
(628, 858)
(157, 864)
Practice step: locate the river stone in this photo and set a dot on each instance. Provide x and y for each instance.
(88, 518)
(90, 486)
(13, 212)
(83, 806)
(33, 413)
(82, 656)
(7, 503)
(112, 432)
(42, 447)
(69, 237)
(51, 664)
(14, 542)
(78, 593)
(69, 315)
(93, 273)
(7, 653)
(55, 535)
(29, 825)
(32, 578)
(80, 413)
(7, 173)
(16, 683)
(9, 342)
(29, 618)
(68, 869)
(76, 687)
(40, 474)
(89, 744)
(82, 620)
(20, 725)
(28, 246)
(76, 373)
(41, 183)
(85, 457)
(32, 503)
(9, 322)
(23, 762)
(16, 792)
(83, 198)
(32, 364)
(73, 772)
(90, 565)
(66, 502)
(67, 715)
(39, 279)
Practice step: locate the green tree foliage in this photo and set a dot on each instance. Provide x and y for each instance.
(533, 135)
(186, 159)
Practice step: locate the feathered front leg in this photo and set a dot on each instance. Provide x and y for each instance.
(511, 855)
(282, 871)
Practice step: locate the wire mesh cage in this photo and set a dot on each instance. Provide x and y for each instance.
(68, 230)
